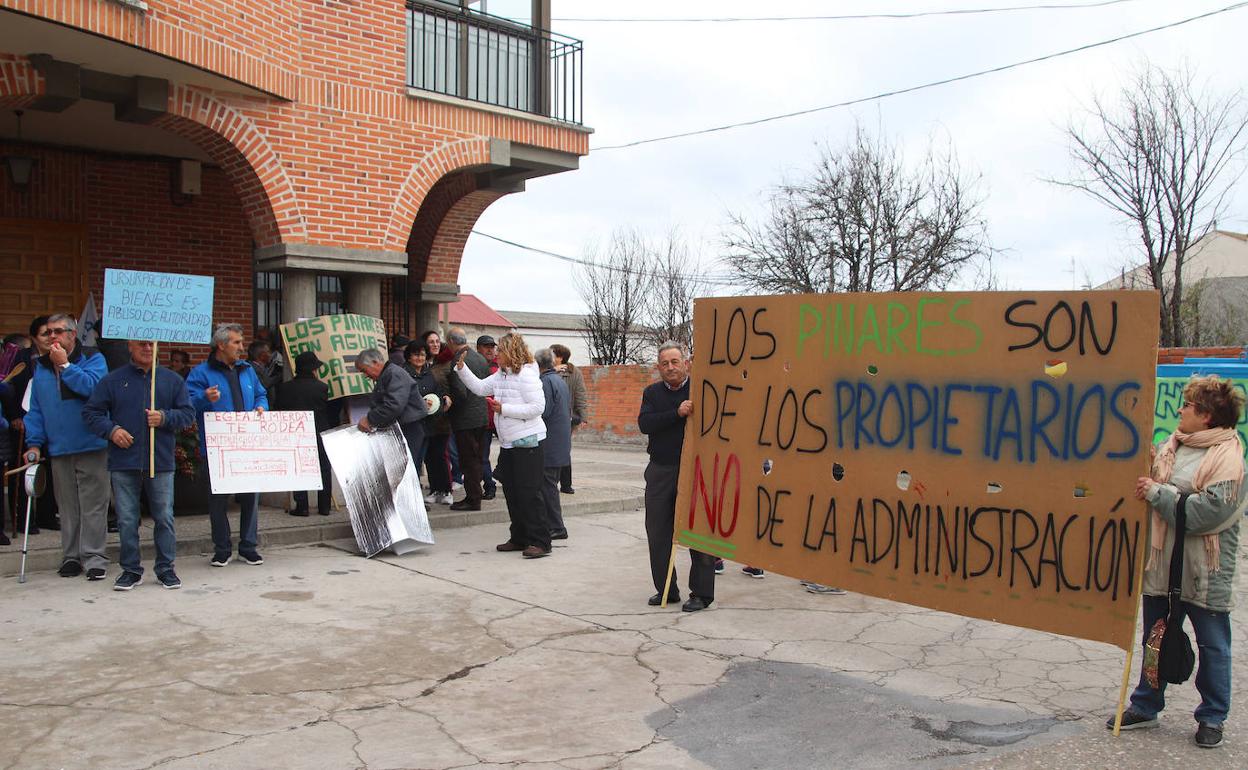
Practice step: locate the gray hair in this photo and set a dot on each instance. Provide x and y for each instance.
(544, 358)
(222, 333)
(457, 336)
(368, 357)
(672, 345)
(65, 319)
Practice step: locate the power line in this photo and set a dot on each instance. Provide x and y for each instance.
(847, 16)
(586, 263)
(932, 84)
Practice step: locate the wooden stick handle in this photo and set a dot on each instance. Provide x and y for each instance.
(667, 582)
(151, 432)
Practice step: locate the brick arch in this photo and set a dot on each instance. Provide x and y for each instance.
(237, 145)
(427, 172)
(447, 215)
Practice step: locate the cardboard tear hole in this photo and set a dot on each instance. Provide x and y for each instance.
(745, 375)
(838, 472)
(767, 466)
(903, 480)
(788, 367)
(873, 370)
(1055, 368)
(1082, 490)
(994, 488)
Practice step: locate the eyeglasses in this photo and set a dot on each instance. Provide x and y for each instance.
(50, 332)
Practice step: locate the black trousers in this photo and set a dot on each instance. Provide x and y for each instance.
(437, 466)
(565, 477)
(324, 497)
(469, 443)
(521, 473)
(660, 527)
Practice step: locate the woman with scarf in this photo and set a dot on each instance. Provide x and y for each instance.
(1202, 461)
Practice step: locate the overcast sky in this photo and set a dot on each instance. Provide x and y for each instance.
(647, 80)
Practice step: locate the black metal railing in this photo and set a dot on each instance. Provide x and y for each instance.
(489, 59)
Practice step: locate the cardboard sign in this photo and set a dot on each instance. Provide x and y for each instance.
(1169, 401)
(381, 487)
(270, 452)
(974, 453)
(164, 307)
(337, 340)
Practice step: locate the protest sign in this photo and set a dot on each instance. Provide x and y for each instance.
(381, 487)
(337, 340)
(254, 452)
(162, 307)
(974, 453)
(1169, 401)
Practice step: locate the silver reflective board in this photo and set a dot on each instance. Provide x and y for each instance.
(382, 489)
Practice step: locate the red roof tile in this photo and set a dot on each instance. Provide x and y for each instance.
(471, 311)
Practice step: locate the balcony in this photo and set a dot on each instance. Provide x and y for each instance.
(489, 59)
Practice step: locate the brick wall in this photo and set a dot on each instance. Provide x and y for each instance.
(614, 394)
(133, 221)
(1176, 355)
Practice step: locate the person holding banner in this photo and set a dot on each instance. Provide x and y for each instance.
(227, 383)
(121, 411)
(395, 399)
(665, 406)
(62, 383)
(1202, 463)
(306, 393)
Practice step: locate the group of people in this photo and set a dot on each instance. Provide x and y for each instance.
(450, 400)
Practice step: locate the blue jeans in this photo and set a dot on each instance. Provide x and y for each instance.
(127, 487)
(452, 452)
(487, 473)
(1213, 671)
(247, 534)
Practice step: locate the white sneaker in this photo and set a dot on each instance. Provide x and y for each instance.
(446, 498)
(431, 498)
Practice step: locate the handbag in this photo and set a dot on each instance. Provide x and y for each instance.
(1168, 655)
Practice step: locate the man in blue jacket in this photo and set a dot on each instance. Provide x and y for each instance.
(59, 388)
(118, 412)
(227, 383)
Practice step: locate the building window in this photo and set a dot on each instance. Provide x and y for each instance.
(268, 295)
(329, 296)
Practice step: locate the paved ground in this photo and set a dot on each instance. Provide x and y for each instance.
(458, 656)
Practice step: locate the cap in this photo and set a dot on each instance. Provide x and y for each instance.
(307, 362)
(485, 339)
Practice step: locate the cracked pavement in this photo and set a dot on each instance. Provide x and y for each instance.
(460, 657)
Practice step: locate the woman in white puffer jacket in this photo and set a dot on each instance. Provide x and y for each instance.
(514, 394)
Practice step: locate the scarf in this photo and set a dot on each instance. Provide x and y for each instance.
(1222, 462)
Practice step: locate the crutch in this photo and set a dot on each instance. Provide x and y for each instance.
(36, 481)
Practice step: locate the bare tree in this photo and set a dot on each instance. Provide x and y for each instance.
(678, 281)
(864, 221)
(616, 289)
(1163, 156)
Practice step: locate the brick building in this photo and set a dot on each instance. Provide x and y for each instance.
(313, 155)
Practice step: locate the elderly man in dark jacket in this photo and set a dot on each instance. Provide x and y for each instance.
(395, 399)
(305, 393)
(469, 417)
(557, 446)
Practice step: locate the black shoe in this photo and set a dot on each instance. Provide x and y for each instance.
(696, 603)
(127, 580)
(1208, 736)
(561, 534)
(299, 512)
(1132, 721)
(33, 530)
(325, 512)
(50, 524)
(464, 505)
(657, 599)
(4, 539)
(95, 573)
(488, 494)
(220, 559)
(70, 568)
(568, 491)
(169, 580)
(253, 558)
(112, 528)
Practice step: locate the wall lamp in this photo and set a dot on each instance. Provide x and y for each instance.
(20, 166)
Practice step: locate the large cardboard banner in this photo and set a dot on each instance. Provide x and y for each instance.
(337, 340)
(164, 307)
(269, 452)
(382, 489)
(974, 453)
(1170, 401)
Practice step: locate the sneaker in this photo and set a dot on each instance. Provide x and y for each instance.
(70, 568)
(95, 573)
(819, 588)
(446, 498)
(220, 559)
(127, 581)
(253, 558)
(489, 494)
(1207, 736)
(754, 572)
(1133, 721)
(719, 566)
(169, 580)
(299, 512)
(431, 498)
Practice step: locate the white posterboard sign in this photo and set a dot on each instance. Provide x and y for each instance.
(254, 452)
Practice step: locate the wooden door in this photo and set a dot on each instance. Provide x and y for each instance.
(43, 269)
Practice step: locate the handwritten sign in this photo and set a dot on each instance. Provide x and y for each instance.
(972, 453)
(270, 452)
(1169, 400)
(337, 340)
(165, 307)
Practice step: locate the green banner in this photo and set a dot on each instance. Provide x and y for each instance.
(1170, 399)
(336, 340)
